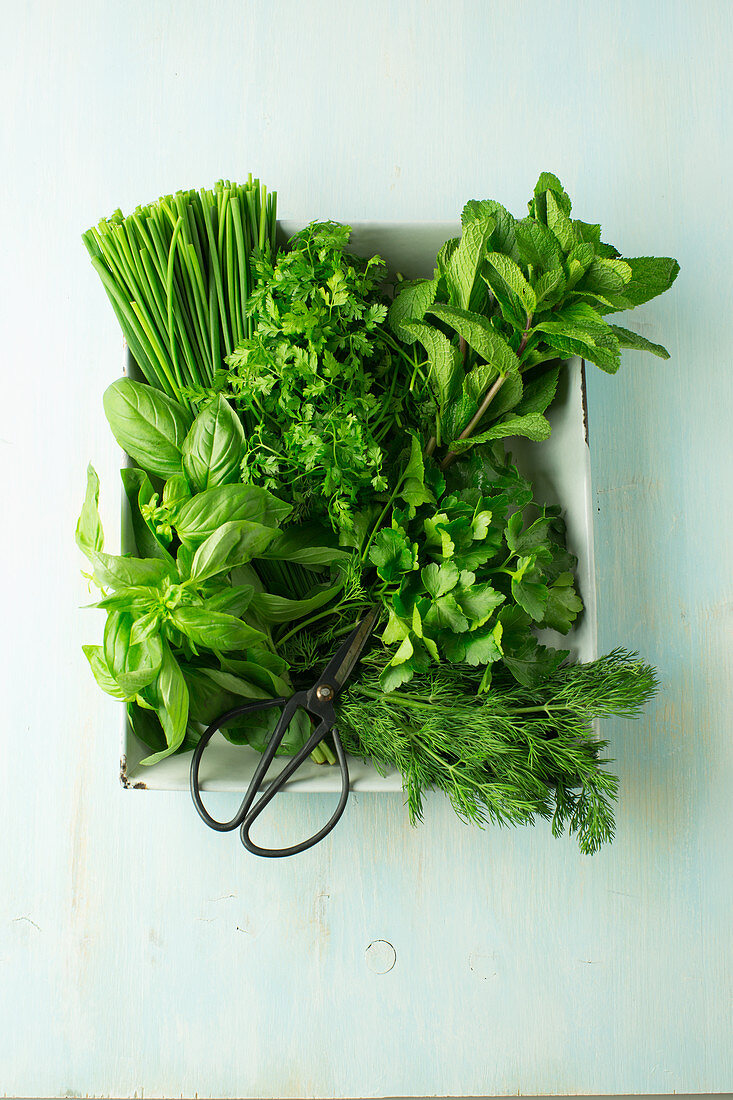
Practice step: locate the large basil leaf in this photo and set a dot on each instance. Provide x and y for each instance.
(237, 685)
(101, 671)
(147, 424)
(89, 534)
(168, 696)
(208, 511)
(213, 449)
(208, 700)
(255, 670)
(176, 491)
(133, 666)
(117, 639)
(214, 629)
(146, 726)
(231, 600)
(113, 571)
(306, 545)
(141, 597)
(257, 728)
(232, 544)
(139, 491)
(279, 609)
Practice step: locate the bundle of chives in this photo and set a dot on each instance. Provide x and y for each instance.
(178, 275)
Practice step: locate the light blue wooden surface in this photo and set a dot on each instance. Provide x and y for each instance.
(139, 952)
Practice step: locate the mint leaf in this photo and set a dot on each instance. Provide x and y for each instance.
(533, 426)
(576, 319)
(578, 329)
(547, 285)
(464, 264)
(605, 276)
(477, 381)
(587, 232)
(479, 335)
(579, 259)
(650, 276)
(444, 255)
(502, 237)
(410, 305)
(539, 393)
(537, 245)
(607, 358)
(514, 278)
(628, 339)
(461, 409)
(538, 204)
(445, 365)
(509, 395)
(558, 220)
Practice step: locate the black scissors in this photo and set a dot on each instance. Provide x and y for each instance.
(318, 702)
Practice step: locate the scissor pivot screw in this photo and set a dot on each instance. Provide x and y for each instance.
(324, 692)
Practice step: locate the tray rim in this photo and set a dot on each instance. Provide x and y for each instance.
(365, 777)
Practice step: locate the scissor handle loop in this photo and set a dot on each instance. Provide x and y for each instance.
(235, 712)
(277, 784)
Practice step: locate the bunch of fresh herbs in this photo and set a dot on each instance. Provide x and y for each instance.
(307, 447)
(316, 381)
(178, 273)
(511, 300)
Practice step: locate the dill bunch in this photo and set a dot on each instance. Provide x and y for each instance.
(510, 755)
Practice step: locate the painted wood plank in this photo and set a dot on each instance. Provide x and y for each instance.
(141, 954)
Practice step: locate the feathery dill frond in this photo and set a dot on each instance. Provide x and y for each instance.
(510, 755)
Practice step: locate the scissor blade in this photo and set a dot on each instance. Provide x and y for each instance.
(340, 667)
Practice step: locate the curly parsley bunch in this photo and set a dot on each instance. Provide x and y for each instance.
(314, 380)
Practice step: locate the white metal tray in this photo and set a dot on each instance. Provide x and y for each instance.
(560, 471)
